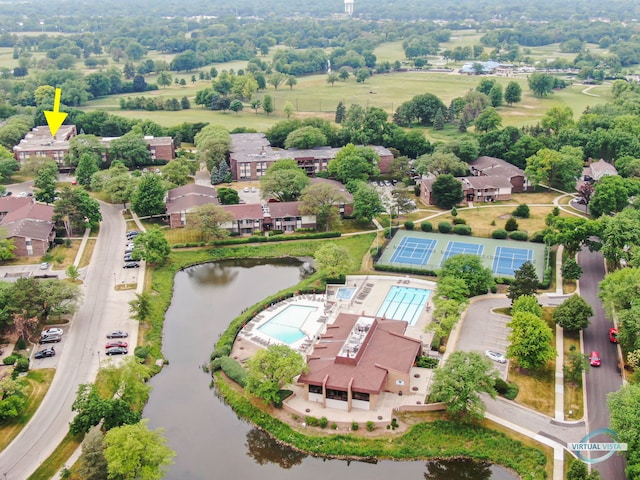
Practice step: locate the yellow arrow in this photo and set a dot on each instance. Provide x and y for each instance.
(55, 118)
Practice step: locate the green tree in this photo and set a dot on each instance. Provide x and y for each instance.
(526, 303)
(323, 201)
(45, 182)
(555, 169)
(333, 260)
(573, 314)
(610, 195)
(120, 188)
(496, 96)
(469, 268)
(76, 209)
(140, 307)
(513, 93)
(571, 270)
(624, 419)
(541, 84)
(164, 79)
(460, 381)
(332, 78)
(557, 118)
(236, 106)
(530, 341)
(208, 220)
(354, 163)
(152, 247)
(130, 380)
(439, 163)
(12, 398)
(446, 191)
(341, 112)
(366, 203)
(305, 137)
(87, 166)
(7, 246)
(83, 145)
(228, 196)
(291, 81)
(283, 180)
(8, 165)
(267, 104)
(575, 363)
(92, 464)
(489, 119)
(620, 236)
(288, 109)
(271, 369)
(148, 198)
(177, 172)
(72, 272)
(130, 149)
(134, 451)
(90, 409)
(525, 282)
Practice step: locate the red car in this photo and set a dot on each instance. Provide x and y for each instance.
(594, 359)
(613, 335)
(117, 343)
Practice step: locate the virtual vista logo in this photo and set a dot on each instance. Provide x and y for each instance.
(583, 447)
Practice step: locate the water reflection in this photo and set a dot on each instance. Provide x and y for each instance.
(459, 469)
(264, 449)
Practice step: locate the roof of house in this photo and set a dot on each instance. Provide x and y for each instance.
(250, 211)
(485, 181)
(600, 169)
(40, 139)
(192, 189)
(34, 220)
(495, 166)
(383, 348)
(190, 196)
(9, 204)
(335, 183)
(282, 209)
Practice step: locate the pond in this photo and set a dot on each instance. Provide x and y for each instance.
(210, 440)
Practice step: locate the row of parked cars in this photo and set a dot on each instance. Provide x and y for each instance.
(116, 346)
(50, 335)
(129, 261)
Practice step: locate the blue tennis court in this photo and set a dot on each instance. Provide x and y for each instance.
(456, 248)
(507, 259)
(403, 303)
(414, 251)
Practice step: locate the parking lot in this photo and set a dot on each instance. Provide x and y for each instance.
(485, 332)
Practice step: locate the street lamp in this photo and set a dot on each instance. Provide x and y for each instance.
(99, 363)
(114, 279)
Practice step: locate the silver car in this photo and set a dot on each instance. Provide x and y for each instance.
(496, 356)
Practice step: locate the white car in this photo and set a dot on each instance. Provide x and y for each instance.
(496, 356)
(51, 331)
(245, 189)
(44, 266)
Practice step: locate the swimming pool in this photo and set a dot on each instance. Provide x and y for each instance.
(404, 303)
(345, 293)
(285, 325)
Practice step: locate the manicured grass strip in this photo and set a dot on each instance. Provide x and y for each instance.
(435, 439)
(87, 253)
(58, 458)
(573, 395)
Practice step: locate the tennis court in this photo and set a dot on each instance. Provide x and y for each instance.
(509, 259)
(456, 248)
(413, 251)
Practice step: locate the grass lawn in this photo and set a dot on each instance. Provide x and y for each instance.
(58, 458)
(480, 219)
(38, 382)
(537, 388)
(87, 253)
(63, 256)
(573, 394)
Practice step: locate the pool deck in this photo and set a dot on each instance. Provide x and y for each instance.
(370, 293)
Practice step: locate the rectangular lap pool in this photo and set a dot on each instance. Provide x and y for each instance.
(286, 325)
(404, 303)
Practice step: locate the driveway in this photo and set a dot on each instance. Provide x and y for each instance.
(103, 309)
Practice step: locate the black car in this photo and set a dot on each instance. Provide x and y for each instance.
(128, 258)
(132, 234)
(131, 265)
(117, 334)
(117, 351)
(50, 339)
(45, 352)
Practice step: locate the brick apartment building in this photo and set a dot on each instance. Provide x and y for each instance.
(30, 225)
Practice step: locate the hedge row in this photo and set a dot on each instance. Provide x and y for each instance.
(258, 239)
(397, 269)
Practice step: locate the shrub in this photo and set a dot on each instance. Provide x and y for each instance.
(394, 423)
(435, 343)
(500, 386)
(234, 370)
(499, 234)
(426, 227)
(511, 225)
(10, 360)
(494, 288)
(21, 344)
(354, 426)
(428, 362)
(512, 391)
(371, 426)
(519, 235)
(311, 421)
(141, 352)
(323, 422)
(222, 351)
(521, 211)
(462, 230)
(537, 237)
(334, 426)
(409, 225)
(459, 221)
(444, 227)
(22, 364)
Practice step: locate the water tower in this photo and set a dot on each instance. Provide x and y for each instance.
(348, 6)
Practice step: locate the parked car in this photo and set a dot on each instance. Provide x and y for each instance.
(128, 258)
(117, 334)
(495, 356)
(44, 266)
(387, 183)
(116, 343)
(594, 359)
(45, 352)
(50, 339)
(253, 190)
(132, 233)
(613, 335)
(117, 351)
(51, 331)
(245, 189)
(131, 265)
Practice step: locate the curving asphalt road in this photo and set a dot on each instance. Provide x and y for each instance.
(102, 309)
(606, 378)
